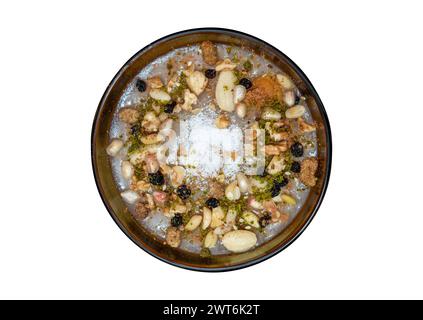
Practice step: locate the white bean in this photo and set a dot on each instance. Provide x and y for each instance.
(270, 114)
(151, 163)
(284, 81)
(239, 93)
(114, 147)
(243, 183)
(295, 111)
(239, 240)
(160, 95)
(130, 196)
(127, 170)
(241, 110)
(232, 191)
(289, 98)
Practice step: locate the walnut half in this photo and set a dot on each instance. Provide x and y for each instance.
(308, 171)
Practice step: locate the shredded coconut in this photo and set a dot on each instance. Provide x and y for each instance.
(207, 151)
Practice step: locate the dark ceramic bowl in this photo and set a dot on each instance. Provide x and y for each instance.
(110, 194)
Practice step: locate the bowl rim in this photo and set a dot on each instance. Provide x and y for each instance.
(328, 144)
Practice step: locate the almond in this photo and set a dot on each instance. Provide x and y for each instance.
(217, 217)
(177, 176)
(193, 223)
(210, 240)
(207, 217)
(224, 90)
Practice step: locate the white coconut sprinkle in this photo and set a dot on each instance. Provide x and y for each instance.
(207, 151)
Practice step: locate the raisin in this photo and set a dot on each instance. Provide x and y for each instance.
(183, 192)
(296, 167)
(210, 73)
(212, 203)
(168, 108)
(246, 83)
(297, 149)
(156, 178)
(141, 85)
(176, 220)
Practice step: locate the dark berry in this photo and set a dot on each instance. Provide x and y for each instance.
(156, 178)
(276, 189)
(277, 186)
(297, 99)
(297, 149)
(212, 203)
(169, 107)
(265, 220)
(135, 129)
(183, 192)
(141, 85)
(296, 167)
(177, 220)
(246, 83)
(210, 73)
(283, 183)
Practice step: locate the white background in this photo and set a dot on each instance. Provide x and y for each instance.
(57, 239)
